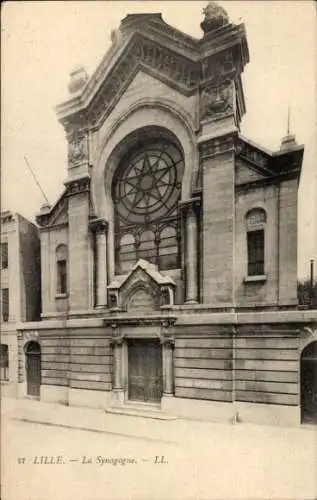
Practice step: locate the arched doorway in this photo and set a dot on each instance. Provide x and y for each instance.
(33, 368)
(308, 370)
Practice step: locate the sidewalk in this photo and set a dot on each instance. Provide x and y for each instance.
(164, 431)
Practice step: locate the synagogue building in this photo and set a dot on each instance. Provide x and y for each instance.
(169, 261)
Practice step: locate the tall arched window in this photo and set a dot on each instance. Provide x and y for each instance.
(61, 268)
(146, 191)
(255, 225)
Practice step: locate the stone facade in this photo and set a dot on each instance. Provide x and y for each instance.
(20, 276)
(220, 357)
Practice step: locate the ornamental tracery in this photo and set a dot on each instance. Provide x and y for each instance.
(146, 191)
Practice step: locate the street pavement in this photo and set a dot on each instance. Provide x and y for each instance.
(56, 452)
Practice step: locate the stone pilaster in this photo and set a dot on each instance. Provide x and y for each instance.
(78, 210)
(217, 159)
(167, 342)
(117, 343)
(287, 243)
(99, 227)
(168, 378)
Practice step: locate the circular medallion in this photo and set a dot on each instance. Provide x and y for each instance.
(149, 182)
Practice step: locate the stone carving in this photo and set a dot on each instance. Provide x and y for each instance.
(215, 147)
(77, 151)
(31, 335)
(78, 186)
(141, 289)
(217, 93)
(184, 72)
(216, 100)
(141, 299)
(215, 17)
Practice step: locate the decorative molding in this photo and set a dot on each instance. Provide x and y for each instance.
(267, 181)
(31, 335)
(98, 225)
(149, 320)
(217, 89)
(77, 149)
(117, 341)
(143, 54)
(247, 152)
(77, 186)
(191, 206)
(167, 342)
(216, 100)
(217, 146)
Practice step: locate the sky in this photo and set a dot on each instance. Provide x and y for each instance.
(43, 41)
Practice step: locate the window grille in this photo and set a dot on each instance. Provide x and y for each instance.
(61, 267)
(146, 192)
(255, 223)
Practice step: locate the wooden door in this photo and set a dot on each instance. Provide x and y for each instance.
(145, 370)
(33, 369)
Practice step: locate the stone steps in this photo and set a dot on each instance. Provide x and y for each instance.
(140, 411)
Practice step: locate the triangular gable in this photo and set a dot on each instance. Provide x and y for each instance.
(55, 215)
(142, 267)
(60, 215)
(147, 43)
(144, 288)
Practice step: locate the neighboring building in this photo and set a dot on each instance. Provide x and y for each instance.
(20, 290)
(169, 260)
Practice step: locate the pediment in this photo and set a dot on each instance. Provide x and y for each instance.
(142, 55)
(252, 162)
(56, 215)
(144, 42)
(143, 289)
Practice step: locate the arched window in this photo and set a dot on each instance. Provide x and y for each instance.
(127, 249)
(4, 362)
(255, 225)
(168, 248)
(146, 191)
(61, 268)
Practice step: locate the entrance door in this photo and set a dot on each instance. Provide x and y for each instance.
(145, 370)
(309, 383)
(33, 368)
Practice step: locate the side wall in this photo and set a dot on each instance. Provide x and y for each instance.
(76, 358)
(30, 276)
(257, 293)
(50, 239)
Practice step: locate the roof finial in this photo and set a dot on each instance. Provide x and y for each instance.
(289, 141)
(288, 119)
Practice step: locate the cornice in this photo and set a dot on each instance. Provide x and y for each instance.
(269, 164)
(180, 61)
(217, 145)
(150, 320)
(268, 181)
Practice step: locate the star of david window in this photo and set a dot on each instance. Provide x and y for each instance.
(146, 192)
